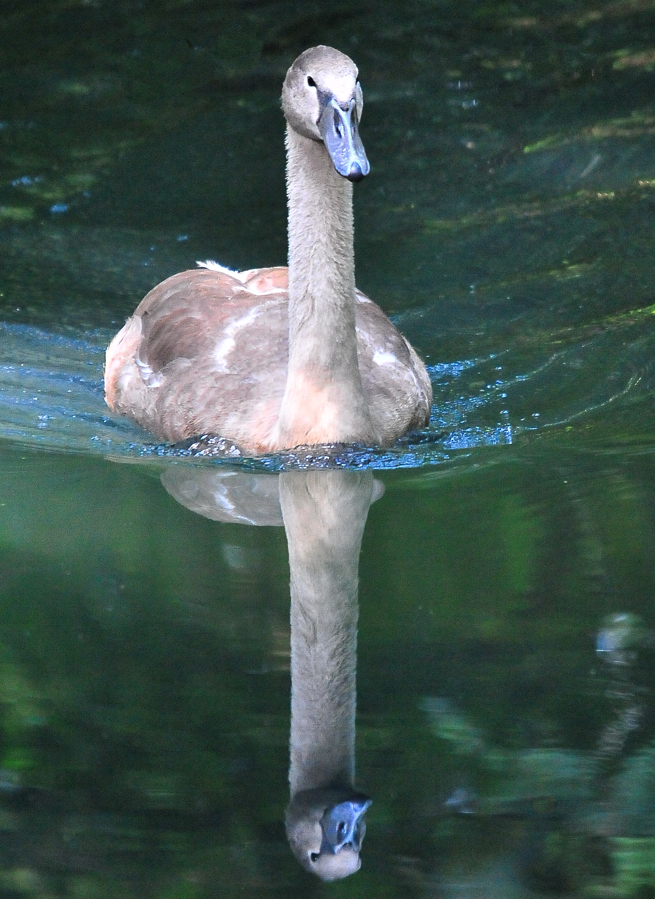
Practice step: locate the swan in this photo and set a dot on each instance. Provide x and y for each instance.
(275, 358)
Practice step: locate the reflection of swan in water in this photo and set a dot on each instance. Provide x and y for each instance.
(324, 514)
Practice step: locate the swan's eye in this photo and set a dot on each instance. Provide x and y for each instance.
(310, 81)
(313, 856)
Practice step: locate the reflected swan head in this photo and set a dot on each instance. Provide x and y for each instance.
(325, 829)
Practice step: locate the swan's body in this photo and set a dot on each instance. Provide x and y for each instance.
(275, 358)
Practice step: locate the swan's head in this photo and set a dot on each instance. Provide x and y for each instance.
(322, 100)
(325, 828)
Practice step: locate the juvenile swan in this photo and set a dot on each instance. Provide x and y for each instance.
(275, 358)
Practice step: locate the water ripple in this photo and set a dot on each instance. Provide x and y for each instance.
(51, 396)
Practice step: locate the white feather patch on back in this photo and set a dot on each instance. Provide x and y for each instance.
(217, 267)
(243, 277)
(225, 347)
(381, 357)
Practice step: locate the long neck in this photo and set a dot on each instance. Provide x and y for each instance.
(323, 401)
(324, 516)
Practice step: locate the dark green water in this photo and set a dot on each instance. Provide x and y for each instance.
(506, 715)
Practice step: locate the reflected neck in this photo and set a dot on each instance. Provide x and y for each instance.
(324, 516)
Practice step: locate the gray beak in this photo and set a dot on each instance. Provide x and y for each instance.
(340, 133)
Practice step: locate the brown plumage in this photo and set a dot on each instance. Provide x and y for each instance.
(274, 358)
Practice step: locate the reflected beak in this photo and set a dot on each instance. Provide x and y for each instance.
(343, 825)
(340, 133)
